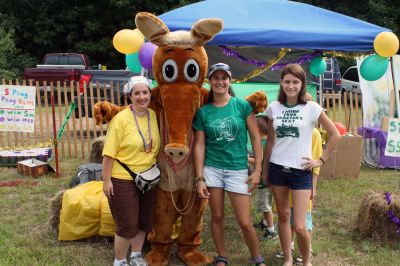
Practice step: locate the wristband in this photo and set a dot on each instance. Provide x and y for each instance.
(199, 178)
(322, 160)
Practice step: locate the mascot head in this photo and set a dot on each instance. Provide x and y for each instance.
(179, 66)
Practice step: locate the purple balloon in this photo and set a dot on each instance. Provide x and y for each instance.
(146, 53)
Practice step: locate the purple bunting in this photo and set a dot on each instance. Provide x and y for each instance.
(302, 60)
(390, 214)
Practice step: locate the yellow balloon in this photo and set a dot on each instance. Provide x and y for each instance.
(138, 31)
(386, 44)
(128, 41)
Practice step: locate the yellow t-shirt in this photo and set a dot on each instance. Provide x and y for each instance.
(124, 142)
(316, 153)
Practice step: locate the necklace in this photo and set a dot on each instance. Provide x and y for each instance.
(147, 146)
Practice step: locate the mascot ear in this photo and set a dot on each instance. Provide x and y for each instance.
(151, 27)
(205, 29)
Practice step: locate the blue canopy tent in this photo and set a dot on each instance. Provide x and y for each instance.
(277, 23)
(257, 29)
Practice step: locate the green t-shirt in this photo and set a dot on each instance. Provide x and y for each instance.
(226, 133)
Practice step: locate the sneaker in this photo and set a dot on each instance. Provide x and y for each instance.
(260, 225)
(299, 259)
(269, 235)
(281, 256)
(138, 261)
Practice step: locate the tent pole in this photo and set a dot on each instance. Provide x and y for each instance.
(320, 89)
(395, 87)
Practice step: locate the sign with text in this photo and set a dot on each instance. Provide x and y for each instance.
(393, 138)
(17, 108)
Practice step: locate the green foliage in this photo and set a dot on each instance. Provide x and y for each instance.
(12, 61)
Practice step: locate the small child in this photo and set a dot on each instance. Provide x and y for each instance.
(263, 193)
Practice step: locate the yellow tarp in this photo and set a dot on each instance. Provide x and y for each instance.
(85, 212)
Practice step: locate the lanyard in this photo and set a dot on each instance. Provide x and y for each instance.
(147, 146)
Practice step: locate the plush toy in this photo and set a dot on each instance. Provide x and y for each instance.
(179, 66)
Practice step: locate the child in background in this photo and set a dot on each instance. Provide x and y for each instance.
(263, 194)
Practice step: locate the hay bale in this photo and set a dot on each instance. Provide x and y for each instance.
(372, 218)
(97, 149)
(55, 209)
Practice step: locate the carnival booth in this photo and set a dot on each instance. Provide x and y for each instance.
(261, 36)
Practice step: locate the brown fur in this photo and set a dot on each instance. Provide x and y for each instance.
(97, 150)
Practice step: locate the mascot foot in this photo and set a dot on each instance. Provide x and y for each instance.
(159, 255)
(192, 257)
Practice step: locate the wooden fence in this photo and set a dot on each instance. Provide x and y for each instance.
(81, 130)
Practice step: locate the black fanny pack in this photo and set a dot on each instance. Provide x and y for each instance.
(145, 180)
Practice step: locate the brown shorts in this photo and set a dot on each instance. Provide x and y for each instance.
(131, 209)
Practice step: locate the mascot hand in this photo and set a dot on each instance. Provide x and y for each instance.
(105, 111)
(258, 100)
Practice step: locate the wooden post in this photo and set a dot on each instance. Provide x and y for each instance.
(86, 116)
(60, 117)
(66, 108)
(72, 85)
(80, 120)
(39, 102)
(53, 112)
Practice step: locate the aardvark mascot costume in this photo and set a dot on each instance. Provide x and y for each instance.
(179, 66)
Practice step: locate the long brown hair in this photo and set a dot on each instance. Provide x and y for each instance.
(297, 71)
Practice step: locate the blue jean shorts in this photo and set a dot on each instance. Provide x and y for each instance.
(296, 179)
(309, 224)
(229, 180)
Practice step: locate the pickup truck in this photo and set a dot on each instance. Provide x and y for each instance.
(58, 67)
(76, 67)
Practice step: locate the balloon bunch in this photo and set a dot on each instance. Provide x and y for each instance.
(386, 44)
(138, 53)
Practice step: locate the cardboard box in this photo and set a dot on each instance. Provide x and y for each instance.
(345, 160)
(32, 167)
(385, 123)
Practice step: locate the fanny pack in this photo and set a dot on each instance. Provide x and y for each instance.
(145, 180)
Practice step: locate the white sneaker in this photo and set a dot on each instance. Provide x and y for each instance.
(139, 261)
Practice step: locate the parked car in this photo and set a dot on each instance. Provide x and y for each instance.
(350, 81)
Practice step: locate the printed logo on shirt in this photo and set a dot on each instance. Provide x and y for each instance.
(287, 120)
(225, 129)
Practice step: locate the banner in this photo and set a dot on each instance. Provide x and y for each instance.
(376, 94)
(393, 138)
(17, 108)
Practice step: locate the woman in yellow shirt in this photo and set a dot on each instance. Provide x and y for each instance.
(133, 139)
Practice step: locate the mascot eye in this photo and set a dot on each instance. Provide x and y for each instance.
(170, 70)
(191, 70)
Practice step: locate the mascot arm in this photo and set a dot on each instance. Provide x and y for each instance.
(105, 111)
(258, 100)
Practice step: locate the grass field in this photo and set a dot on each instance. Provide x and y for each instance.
(26, 239)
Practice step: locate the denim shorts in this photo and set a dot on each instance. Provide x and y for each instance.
(293, 178)
(229, 180)
(309, 224)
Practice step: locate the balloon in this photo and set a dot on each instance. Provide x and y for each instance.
(128, 41)
(386, 44)
(317, 66)
(341, 128)
(132, 61)
(373, 67)
(146, 53)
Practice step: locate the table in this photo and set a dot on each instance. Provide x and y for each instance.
(374, 148)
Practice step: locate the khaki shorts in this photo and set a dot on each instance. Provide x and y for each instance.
(131, 209)
(264, 200)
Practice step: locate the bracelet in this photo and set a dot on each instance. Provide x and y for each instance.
(199, 178)
(322, 160)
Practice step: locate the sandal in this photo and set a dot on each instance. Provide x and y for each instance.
(258, 261)
(222, 259)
